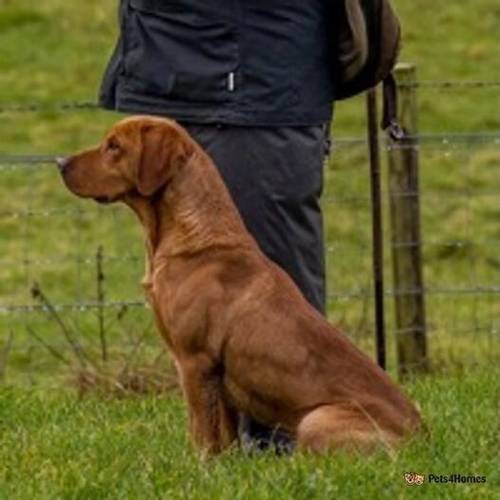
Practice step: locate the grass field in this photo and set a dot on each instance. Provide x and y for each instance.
(53, 445)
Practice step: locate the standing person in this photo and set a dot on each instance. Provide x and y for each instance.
(252, 82)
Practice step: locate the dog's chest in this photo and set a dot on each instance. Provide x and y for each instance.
(152, 297)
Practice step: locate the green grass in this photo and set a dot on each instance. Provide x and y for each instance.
(53, 445)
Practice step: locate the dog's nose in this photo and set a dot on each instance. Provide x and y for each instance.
(62, 162)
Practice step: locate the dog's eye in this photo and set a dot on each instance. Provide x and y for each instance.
(113, 146)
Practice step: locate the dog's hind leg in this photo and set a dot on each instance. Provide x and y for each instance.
(336, 428)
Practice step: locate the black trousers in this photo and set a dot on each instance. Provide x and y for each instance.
(275, 177)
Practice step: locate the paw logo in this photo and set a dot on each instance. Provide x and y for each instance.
(413, 478)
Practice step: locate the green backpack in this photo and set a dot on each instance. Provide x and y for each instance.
(367, 50)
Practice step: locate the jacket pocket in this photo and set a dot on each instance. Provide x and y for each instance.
(179, 49)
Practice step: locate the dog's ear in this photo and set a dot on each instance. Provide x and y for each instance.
(163, 149)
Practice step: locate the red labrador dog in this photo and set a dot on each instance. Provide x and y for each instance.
(243, 337)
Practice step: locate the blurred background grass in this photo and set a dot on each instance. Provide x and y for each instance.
(54, 50)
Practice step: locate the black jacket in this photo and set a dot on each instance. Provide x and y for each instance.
(240, 62)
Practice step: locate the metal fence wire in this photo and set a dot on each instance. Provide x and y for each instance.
(72, 261)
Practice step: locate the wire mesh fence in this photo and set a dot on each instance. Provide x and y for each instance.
(86, 261)
(459, 202)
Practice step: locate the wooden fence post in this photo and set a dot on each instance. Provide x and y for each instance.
(405, 231)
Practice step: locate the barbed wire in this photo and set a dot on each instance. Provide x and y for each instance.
(335, 247)
(56, 212)
(339, 295)
(75, 307)
(86, 261)
(31, 107)
(443, 139)
(26, 161)
(454, 195)
(329, 249)
(327, 200)
(451, 84)
(431, 332)
(46, 212)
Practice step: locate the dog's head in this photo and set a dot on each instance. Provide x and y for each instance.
(138, 156)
